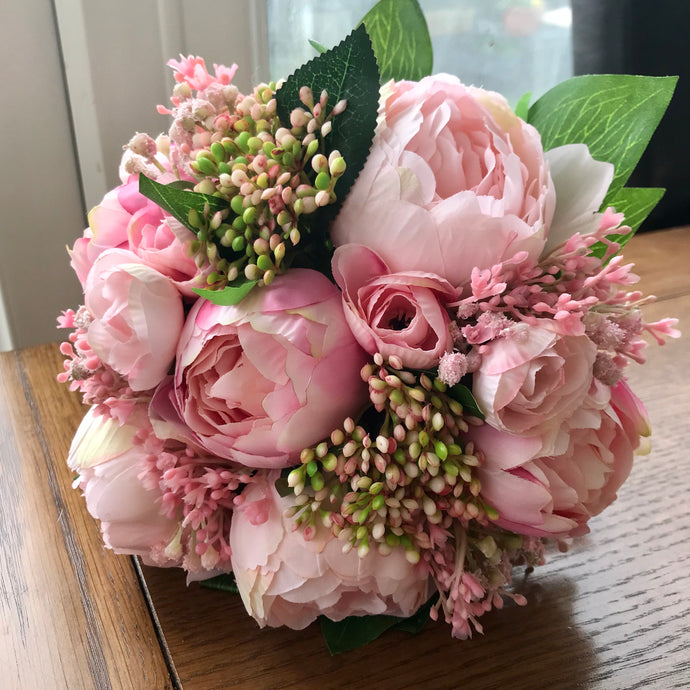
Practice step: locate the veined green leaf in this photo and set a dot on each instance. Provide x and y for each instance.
(181, 184)
(636, 204)
(179, 201)
(232, 294)
(400, 38)
(615, 115)
(349, 72)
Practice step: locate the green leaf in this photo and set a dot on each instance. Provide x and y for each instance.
(522, 106)
(181, 184)
(401, 39)
(636, 204)
(225, 583)
(464, 396)
(615, 115)
(281, 484)
(232, 294)
(416, 622)
(178, 201)
(318, 47)
(356, 631)
(349, 72)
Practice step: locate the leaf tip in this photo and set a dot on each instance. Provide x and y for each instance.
(318, 47)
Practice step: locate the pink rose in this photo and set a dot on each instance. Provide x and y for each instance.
(558, 494)
(529, 382)
(286, 580)
(454, 181)
(262, 380)
(109, 464)
(398, 314)
(126, 219)
(138, 317)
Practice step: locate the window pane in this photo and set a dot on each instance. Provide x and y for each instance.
(511, 46)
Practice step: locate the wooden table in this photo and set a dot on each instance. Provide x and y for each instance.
(614, 612)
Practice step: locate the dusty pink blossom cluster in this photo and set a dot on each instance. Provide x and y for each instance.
(420, 423)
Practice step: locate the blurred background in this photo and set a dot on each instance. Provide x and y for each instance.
(510, 46)
(81, 76)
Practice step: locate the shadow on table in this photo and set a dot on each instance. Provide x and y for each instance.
(215, 644)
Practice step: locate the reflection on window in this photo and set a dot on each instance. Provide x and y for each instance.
(510, 46)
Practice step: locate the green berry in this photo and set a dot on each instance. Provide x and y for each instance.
(207, 167)
(323, 181)
(264, 263)
(236, 204)
(218, 151)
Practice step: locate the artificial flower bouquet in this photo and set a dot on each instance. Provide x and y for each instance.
(356, 342)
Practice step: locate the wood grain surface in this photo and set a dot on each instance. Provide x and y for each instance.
(73, 614)
(613, 612)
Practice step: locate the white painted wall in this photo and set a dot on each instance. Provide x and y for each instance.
(115, 55)
(114, 76)
(40, 201)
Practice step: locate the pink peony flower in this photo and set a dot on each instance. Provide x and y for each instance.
(126, 219)
(556, 495)
(529, 382)
(260, 381)
(398, 314)
(286, 580)
(108, 461)
(454, 181)
(137, 317)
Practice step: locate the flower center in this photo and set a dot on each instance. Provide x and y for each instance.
(395, 313)
(399, 321)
